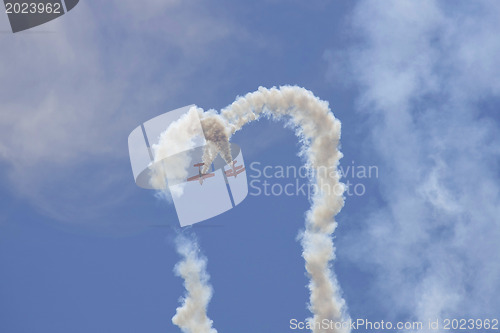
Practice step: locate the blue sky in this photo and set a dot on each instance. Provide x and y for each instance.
(416, 86)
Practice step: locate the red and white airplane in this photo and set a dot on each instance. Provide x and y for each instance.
(201, 176)
(236, 170)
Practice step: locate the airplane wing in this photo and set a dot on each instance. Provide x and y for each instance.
(230, 173)
(208, 175)
(193, 178)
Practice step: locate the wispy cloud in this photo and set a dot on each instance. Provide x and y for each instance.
(69, 97)
(425, 71)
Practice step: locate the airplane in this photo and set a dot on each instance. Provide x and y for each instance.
(236, 170)
(201, 176)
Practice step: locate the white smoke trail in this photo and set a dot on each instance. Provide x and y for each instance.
(319, 132)
(217, 136)
(171, 153)
(192, 317)
(171, 161)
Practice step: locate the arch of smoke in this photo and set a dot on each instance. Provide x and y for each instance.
(319, 132)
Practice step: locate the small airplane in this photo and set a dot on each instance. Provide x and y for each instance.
(201, 176)
(236, 170)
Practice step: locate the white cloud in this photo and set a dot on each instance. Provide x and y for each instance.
(424, 68)
(74, 88)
